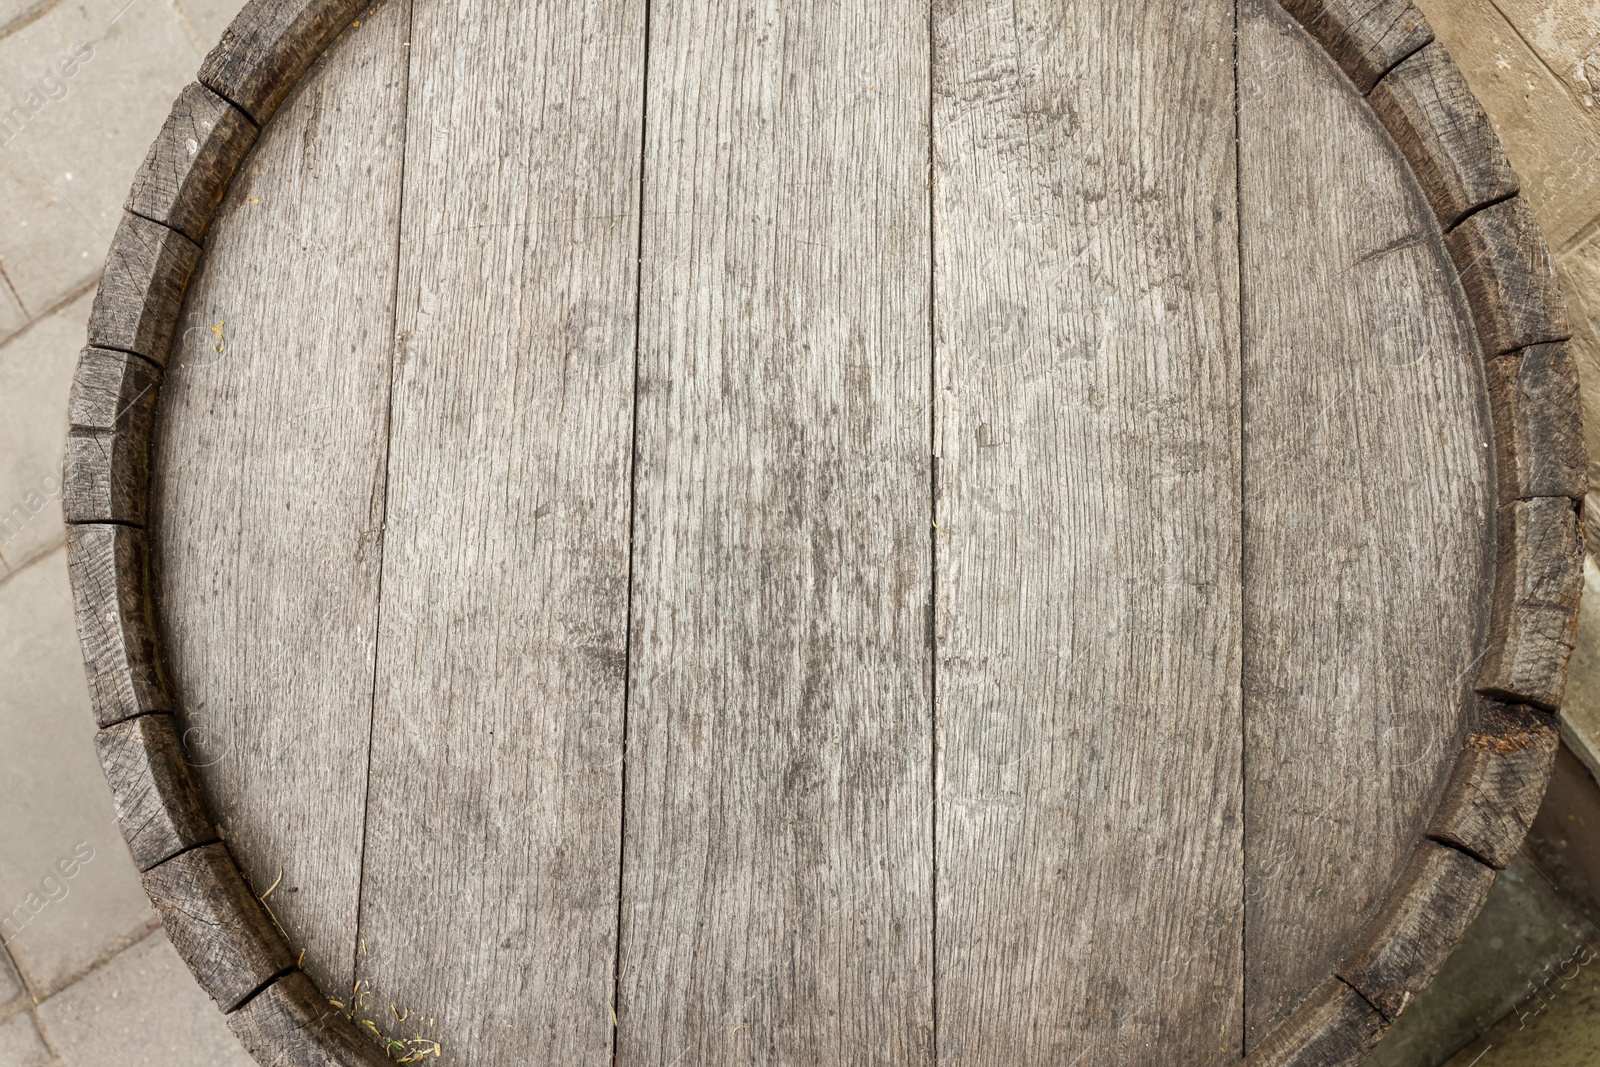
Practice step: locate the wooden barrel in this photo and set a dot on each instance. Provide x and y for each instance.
(730, 532)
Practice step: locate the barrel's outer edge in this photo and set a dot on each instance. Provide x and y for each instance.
(1499, 253)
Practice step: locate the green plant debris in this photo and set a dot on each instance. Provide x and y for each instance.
(397, 1045)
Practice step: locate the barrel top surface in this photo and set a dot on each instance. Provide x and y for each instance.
(808, 533)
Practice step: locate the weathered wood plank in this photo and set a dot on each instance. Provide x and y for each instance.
(1364, 37)
(111, 413)
(268, 486)
(1534, 622)
(777, 900)
(1367, 482)
(266, 50)
(1444, 133)
(495, 815)
(1538, 423)
(141, 288)
(113, 391)
(109, 567)
(779, 635)
(1433, 902)
(158, 804)
(1333, 1027)
(106, 478)
(216, 923)
(1510, 278)
(291, 1024)
(1499, 780)
(1088, 536)
(193, 159)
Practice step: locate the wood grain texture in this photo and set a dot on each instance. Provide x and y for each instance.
(1089, 832)
(216, 923)
(781, 807)
(1534, 622)
(496, 754)
(113, 391)
(1444, 133)
(268, 47)
(291, 1024)
(267, 505)
(1510, 278)
(110, 416)
(109, 567)
(1538, 423)
(1498, 782)
(158, 804)
(780, 602)
(106, 478)
(191, 163)
(1433, 902)
(1367, 481)
(1365, 38)
(1333, 1027)
(141, 288)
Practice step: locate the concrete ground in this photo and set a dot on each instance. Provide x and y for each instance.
(86, 975)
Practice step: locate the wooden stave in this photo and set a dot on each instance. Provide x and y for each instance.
(1387, 50)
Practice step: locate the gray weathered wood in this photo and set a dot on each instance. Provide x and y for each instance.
(268, 496)
(110, 415)
(141, 288)
(269, 45)
(1510, 278)
(217, 924)
(1365, 38)
(1333, 1027)
(1535, 617)
(1538, 423)
(781, 807)
(1444, 133)
(106, 478)
(157, 801)
(777, 901)
(113, 391)
(1433, 902)
(495, 818)
(1089, 834)
(1367, 507)
(1498, 782)
(193, 159)
(290, 1023)
(109, 567)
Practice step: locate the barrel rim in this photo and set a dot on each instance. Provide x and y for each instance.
(234, 947)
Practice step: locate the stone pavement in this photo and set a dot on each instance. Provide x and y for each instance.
(86, 976)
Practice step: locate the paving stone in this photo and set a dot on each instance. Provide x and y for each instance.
(12, 314)
(209, 18)
(72, 143)
(21, 1045)
(1580, 711)
(11, 989)
(1552, 138)
(69, 894)
(1566, 36)
(1579, 270)
(15, 14)
(141, 1008)
(36, 369)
